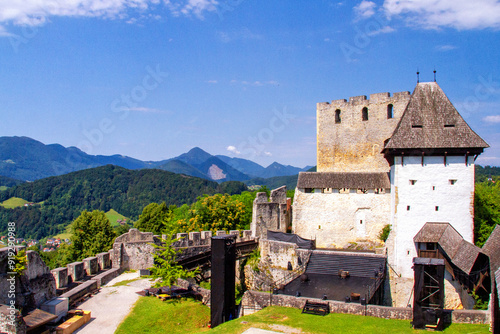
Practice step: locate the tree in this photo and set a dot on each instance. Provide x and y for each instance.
(154, 218)
(215, 213)
(92, 234)
(165, 267)
(486, 210)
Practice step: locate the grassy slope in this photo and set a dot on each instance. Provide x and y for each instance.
(150, 315)
(3, 188)
(13, 202)
(113, 216)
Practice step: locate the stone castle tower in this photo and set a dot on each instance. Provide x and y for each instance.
(403, 160)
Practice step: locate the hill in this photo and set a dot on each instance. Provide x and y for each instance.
(102, 188)
(8, 182)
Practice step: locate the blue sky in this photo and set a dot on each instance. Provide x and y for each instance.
(152, 79)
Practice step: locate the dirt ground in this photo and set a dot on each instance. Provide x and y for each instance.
(112, 304)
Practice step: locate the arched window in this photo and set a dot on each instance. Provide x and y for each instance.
(390, 112)
(337, 116)
(364, 114)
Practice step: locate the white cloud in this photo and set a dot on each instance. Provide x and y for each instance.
(233, 149)
(383, 30)
(458, 14)
(243, 34)
(212, 81)
(365, 9)
(37, 12)
(444, 48)
(146, 110)
(492, 119)
(268, 154)
(256, 83)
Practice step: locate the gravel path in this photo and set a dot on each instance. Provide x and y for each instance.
(112, 304)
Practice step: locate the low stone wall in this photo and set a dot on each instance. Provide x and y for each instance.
(78, 292)
(90, 265)
(206, 294)
(76, 271)
(253, 301)
(105, 277)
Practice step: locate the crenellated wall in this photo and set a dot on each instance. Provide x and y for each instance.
(273, 213)
(346, 142)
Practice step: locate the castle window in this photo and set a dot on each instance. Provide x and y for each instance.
(364, 114)
(449, 125)
(407, 208)
(390, 112)
(379, 191)
(436, 208)
(361, 222)
(308, 190)
(337, 116)
(433, 187)
(452, 182)
(412, 182)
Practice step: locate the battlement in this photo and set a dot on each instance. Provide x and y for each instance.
(196, 239)
(363, 99)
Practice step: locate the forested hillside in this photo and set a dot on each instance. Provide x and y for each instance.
(60, 199)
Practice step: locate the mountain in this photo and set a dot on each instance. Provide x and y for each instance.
(8, 182)
(245, 166)
(24, 158)
(276, 169)
(218, 170)
(102, 188)
(180, 167)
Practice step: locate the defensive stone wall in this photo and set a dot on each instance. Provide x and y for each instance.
(351, 134)
(273, 213)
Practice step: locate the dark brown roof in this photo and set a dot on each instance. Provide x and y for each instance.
(431, 121)
(462, 253)
(492, 249)
(343, 180)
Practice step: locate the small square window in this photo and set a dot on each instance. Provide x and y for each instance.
(361, 222)
(436, 208)
(452, 182)
(433, 188)
(412, 182)
(407, 208)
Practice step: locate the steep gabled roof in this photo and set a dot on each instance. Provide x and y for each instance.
(462, 253)
(431, 121)
(492, 248)
(343, 180)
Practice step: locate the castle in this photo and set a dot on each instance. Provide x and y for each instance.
(403, 160)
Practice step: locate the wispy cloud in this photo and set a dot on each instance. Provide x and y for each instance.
(243, 34)
(146, 110)
(256, 83)
(365, 9)
(444, 48)
(36, 12)
(434, 14)
(383, 30)
(212, 81)
(492, 119)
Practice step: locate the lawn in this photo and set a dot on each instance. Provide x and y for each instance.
(151, 315)
(13, 202)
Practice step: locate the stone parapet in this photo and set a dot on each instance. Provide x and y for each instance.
(76, 271)
(91, 265)
(103, 260)
(60, 276)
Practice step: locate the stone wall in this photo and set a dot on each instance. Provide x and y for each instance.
(354, 145)
(272, 214)
(253, 301)
(333, 219)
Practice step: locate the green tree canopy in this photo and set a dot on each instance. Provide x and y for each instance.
(92, 234)
(486, 210)
(154, 218)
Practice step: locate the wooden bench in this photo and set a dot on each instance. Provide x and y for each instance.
(316, 308)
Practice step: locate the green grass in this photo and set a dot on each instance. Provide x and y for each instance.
(3, 188)
(331, 323)
(113, 217)
(150, 315)
(127, 281)
(13, 202)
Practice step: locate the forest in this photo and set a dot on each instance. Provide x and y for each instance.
(59, 200)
